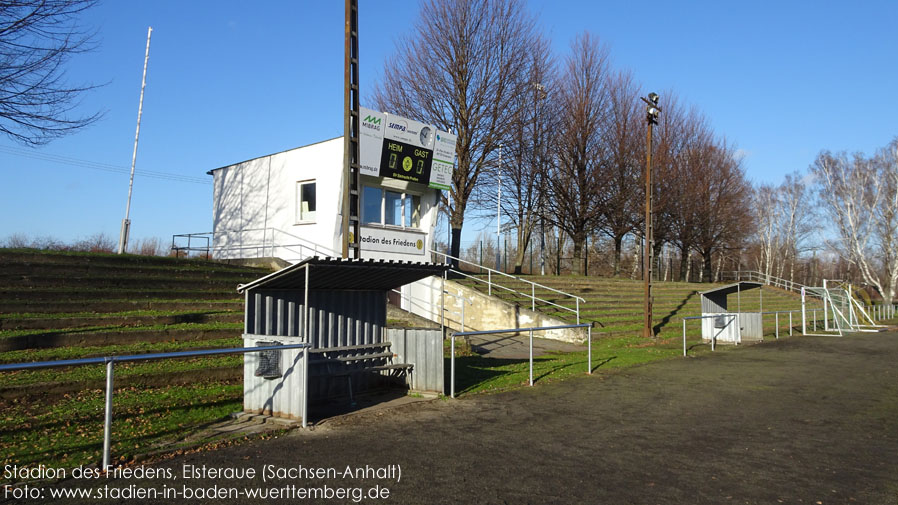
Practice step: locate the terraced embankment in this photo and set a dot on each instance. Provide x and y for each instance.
(57, 306)
(616, 305)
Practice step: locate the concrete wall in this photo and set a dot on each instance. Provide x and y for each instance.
(491, 313)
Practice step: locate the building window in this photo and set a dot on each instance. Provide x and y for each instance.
(305, 202)
(390, 208)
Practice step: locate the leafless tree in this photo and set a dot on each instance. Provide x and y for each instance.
(462, 68)
(622, 155)
(721, 194)
(766, 212)
(526, 152)
(861, 197)
(37, 39)
(575, 180)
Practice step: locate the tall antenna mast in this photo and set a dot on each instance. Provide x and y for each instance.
(126, 223)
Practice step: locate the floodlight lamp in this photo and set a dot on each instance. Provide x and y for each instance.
(653, 112)
(654, 98)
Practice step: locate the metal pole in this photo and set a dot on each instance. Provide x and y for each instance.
(452, 368)
(533, 298)
(790, 323)
(126, 223)
(350, 222)
(531, 357)
(305, 353)
(499, 214)
(684, 338)
(647, 330)
(589, 349)
(776, 316)
(107, 423)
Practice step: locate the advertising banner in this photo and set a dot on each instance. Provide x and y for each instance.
(399, 148)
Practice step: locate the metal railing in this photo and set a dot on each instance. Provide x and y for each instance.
(714, 338)
(533, 286)
(517, 330)
(253, 242)
(755, 276)
(109, 361)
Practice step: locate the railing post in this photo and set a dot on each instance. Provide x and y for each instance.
(107, 423)
(489, 283)
(305, 383)
(578, 309)
(533, 298)
(790, 323)
(776, 315)
(452, 367)
(531, 357)
(684, 338)
(815, 320)
(589, 349)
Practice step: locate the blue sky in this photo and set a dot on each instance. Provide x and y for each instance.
(230, 80)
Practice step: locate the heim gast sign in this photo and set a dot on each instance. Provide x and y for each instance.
(399, 148)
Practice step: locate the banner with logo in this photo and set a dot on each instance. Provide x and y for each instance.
(399, 148)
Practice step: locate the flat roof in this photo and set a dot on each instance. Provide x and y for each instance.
(338, 274)
(273, 154)
(732, 288)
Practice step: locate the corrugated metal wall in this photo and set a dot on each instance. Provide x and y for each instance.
(752, 328)
(424, 349)
(281, 397)
(336, 318)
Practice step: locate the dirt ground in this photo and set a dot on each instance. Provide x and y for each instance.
(800, 420)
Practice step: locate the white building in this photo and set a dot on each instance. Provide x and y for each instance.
(288, 205)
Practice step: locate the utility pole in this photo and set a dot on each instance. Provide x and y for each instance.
(540, 93)
(652, 113)
(126, 223)
(350, 207)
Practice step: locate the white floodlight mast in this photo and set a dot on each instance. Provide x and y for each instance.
(126, 222)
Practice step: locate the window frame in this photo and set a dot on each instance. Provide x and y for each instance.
(404, 196)
(298, 218)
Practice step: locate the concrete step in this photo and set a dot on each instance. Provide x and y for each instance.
(111, 319)
(59, 294)
(111, 336)
(103, 306)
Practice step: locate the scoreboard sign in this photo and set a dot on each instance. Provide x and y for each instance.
(399, 148)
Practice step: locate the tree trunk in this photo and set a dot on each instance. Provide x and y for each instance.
(618, 245)
(706, 266)
(455, 247)
(523, 242)
(577, 265)
(684, 264)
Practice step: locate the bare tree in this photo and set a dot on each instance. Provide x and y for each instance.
(622, 160)
(766, 210)
(462, 68)
(575, 180)
(721, 202)
(37, 39)
(861, 197)
(526, 151)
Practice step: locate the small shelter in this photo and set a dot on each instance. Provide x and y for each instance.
(339, 307)
(731, 327)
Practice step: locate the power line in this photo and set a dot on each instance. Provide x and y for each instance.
(104, 167)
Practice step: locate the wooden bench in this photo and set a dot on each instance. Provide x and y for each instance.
(346, 361)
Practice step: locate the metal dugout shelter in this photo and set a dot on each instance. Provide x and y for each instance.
(731, 327)
(338, 306)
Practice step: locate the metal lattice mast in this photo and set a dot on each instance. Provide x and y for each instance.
(351, 187)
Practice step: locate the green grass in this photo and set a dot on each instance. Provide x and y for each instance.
(476, 374)
(111, 315)
(60, 353)
(98, 372)
(70, 432)
(117, 328)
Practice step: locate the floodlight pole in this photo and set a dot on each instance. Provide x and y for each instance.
(126, 223)
(351, 190)
(652, 113)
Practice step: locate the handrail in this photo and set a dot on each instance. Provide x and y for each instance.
(533, 285)
(518, 330)
(770, 280)
(110, 360)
